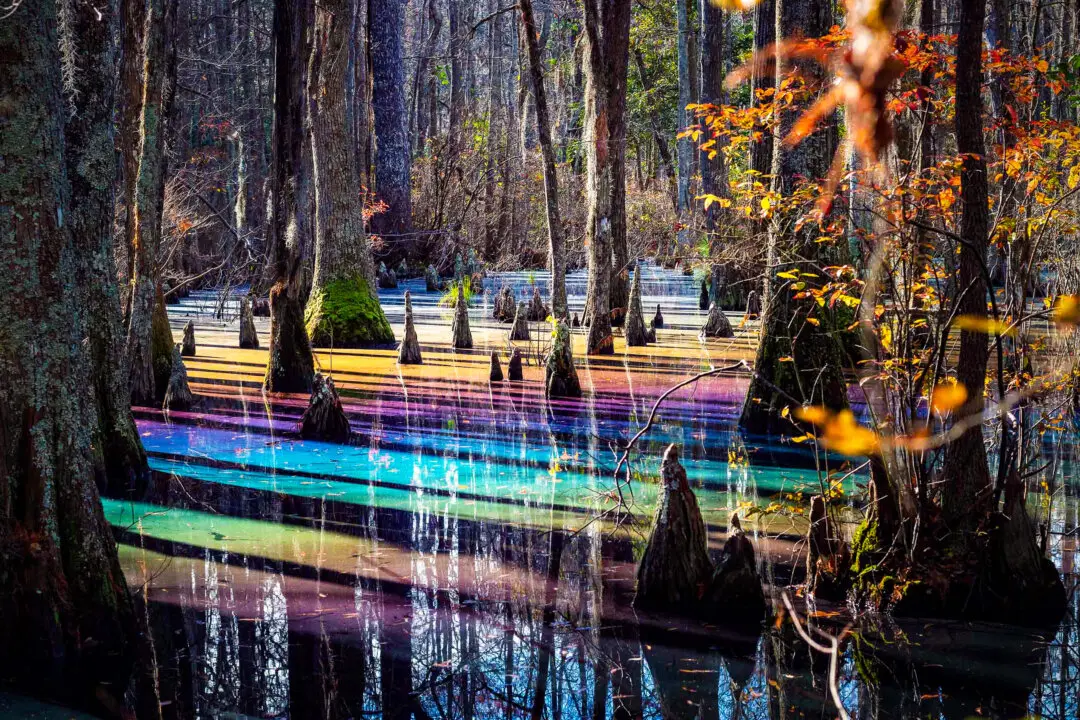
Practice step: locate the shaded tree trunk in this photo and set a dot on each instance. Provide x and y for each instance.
(62, 583)
(816, 373)
(966, 471)
(290, 367)
(714, 168)
(144, 221)
(393, 164)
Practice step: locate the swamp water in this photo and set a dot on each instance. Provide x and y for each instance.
(449, 563)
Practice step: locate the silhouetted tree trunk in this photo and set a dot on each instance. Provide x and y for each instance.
(393, 164)
(713, 169)
(556, 243)
(966, 471)
(761, 149)
(290, 367)
(61, 582)
(343, 308)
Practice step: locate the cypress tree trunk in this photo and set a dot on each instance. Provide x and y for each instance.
(343, 308)
(607, 26)
(91, 167)
(386, 23)
(967, 474)
(815, 375)
(556, 243)
(714, 169)
(290, 367)
(60, 582)
(144, 226)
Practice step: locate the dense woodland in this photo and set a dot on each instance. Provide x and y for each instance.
(893, 187)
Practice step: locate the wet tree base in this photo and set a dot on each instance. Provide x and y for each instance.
(346, 314)
(942, 585)
(324, 418)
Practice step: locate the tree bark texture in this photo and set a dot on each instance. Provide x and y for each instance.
(966, 472)
(393, 163)
(60, 581)
(556, 241)
(290, 367)
(343, 308)
(607, 26)
(144, 226)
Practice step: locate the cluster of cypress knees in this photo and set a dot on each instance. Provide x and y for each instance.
(675, 573)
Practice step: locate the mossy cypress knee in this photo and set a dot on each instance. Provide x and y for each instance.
(537, 309)
(324, 418)
(431, 279)
(658, 319)
(716, 325)
(177, 394)
(496, 373)
(249, 338)
(703, 297)
(676, 562)
(346, 313)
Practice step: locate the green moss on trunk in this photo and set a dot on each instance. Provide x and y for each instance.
(346, 313)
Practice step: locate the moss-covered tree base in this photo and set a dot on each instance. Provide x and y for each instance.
(937, 582)
(347, 314)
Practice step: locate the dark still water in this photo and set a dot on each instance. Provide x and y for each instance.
(454, 560)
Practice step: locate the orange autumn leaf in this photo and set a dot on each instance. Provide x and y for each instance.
(948, 396)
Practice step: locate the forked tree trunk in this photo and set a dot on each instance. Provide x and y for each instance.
(61, 582)
(343, 308)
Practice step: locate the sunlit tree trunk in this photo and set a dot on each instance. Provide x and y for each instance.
(61, 582)
(714, 168)
(343, 308)
(607, 27)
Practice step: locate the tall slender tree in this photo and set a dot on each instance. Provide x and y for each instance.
(556, 243)
(150, 361)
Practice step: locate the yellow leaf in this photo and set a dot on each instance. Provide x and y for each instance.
(1074, 177)
(983, 324)
(802, 438)
(948, 396)
(813, 414)
(846, 436)
(813, 321)
(1067, 310)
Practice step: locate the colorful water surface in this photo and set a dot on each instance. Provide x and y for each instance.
(454, 560)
